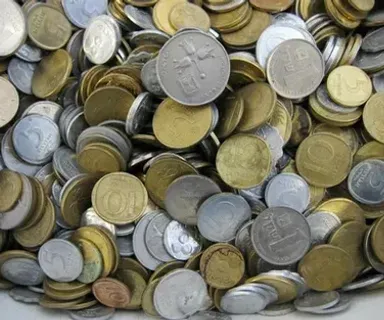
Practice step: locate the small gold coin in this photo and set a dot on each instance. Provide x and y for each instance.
(339, 17)
(362, 5)
(112, 293)
(377, 239)
(259, 103)
(162, 270)
(345, 209)
(370, 150)
(189, 15)
(93, 261)
(349, 86)
(231, 20)
(373, 117)
(243, 161)
(178, 126)
(326, 268)
(271, 6)
(49, 303)
(119, 198)
(51, 74)
(281, 120)
(147, 303)
(193, 262)
(106, 104)
(47, 27)
(11, 187)
(131, 264)
(161, 12)
(136, 283)
(66, 295)
(10, 102)
(120, 80)
(64, 286)
(324, 160)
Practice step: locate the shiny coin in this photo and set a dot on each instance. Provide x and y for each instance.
(61, 260)
(47, 108)
(285, 18)
(21, 73)
(80, 14)
(272, 137)
(139, 16)
(25, 295)
(317, 300)
(199, 56)
(98, 312)
(12, 185)
(111, 293)
(373, 117)
(322, 224)
(139, 114)
(243, 302)
(290, 241)
(90, 218)
(9, 107)
(22, 271)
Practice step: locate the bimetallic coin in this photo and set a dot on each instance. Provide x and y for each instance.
(312, 301)
(22, 271)
(25, 295)
(98, 312)
(290, 239)
(81, 12)
(322, 224)
(20, 73)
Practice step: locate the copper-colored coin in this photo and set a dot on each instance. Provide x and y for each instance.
(112, 293)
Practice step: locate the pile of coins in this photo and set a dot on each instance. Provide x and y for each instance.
(191, 159)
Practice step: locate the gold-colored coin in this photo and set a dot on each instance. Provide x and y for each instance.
(326, 268)
(231, 110)
(136, 283)
(271, 6)
(49, 303)
(66, 295)
(93, 79)
(10, 254)
(119, 198)
(141, 3)
(93, 261)
(131, 264)
(240, 79)
(286, 289)
(309, 8)
(244, 67)
(120, 80)
(372, 212)
(162, 270)
(349, 86)
(189, 15)
(56, 4)
(11, 187)
(243, 161)
(10, 101)
(107, 103)
(47, 27)
(86, 79)
(5, 285)
(129, 70)
(362, 5)
(338, 16)
(370, 150)
(102, 242)
(177, 126)
(324, 160)
(348, 11)
(259, 103)
(76, 198)
(225, 268)
(147, 140)
(162, 173)
(147, 300)
(345, 209)
(193, 262)
(64, 286)
(281, 120)
(377, 239)
(231, 21)
(51, 74)
(38, 233)
(317, 195)
(373, 117)
(207, 254)
(161, 12)
(87, 303)
(249, 34)
(218, 294)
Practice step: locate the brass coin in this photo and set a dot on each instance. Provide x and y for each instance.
(147, 300)
(76, 199)
(338, 17)
(142, 3)
(107, 103)
(11, 187)
(161, 12)
(373, 117)
(47, 27)
(189, 15)
(120, 80)
(93, 261)
(86, 79)
(93, 79)
(372, 212)
(177, 126)
(281, 120)
(49, 303)
(193, 262)
(66, 295)
(64, 286)
(243, 161)
(370, 150)
(231, 21)
(129, 70)
(162, 173)
(345, 209)
(131, 264)
(6, 285)
(362, 5)
(377, 239)
(112, 293)
(326, 268)
(136, 283)
(51, 74)
(87, 303)
(324, 160)
(162, 270)
(119, 198)
(38, 233)
(271, 6)
(301, 126)
(207, 254)
(245, 71)
(217, 295)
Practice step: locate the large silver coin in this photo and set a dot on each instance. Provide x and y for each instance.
(97, 312)
(141, 252)
(366, 182)
(29, 53)
(35, 139)
(22, 271)
(20, 73)
(220, 216)
(81, 12)
(301, 74)
(139, 114)
(288, 190)
(322, 224)
(47, 108)
(180, 294)
(374, 41)
(186, 194)
(90, 218)
(193, 68)
(125, 246)
(150, 79)
(139, 17)
(272, 137)
(25, 295)
(312, 301)
(61, 260)
(243, 302)
(281, 235)
(180, 241)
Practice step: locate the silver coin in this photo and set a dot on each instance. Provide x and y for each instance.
(19, 213)
(74, 46)
(139, 113)
(243, 238)
(180, 241)
(258, 191)
(335, 55)
(46, 108)
(277, 310)
(154, 237)
(138, 38)
(140, 158)
(290, 19)
(342, 305)
(44, 172)
(316, 19)
(22, 271)
(210, 315)
(363, 283)
(370, 255)
(281, 236)
(64, 235)
(35, 139)
(29, 53)
(36, 289)
(221, 215)
(209, 146)
(272, 137)
(74, 128)
(14, 29)
(139, 247)
(243, 302)
(298, 280)
(101, 40)
(97, 312)
(263, 266)
(114, 124)
(305, 68)
(65, 163)
(366, 182)
(328, 48)
(312, 301)
(326, 102)
(56, 190)
(67, 96)
(20, 73)
(186, 194)
(65, 120)
(378, 83)
(180, 294)
(125, 246)
(125, 230)
(140, 17)
(288, 190)
(90, 218)
(81, 12)
(268, 291)
(322, 225)
(150, 79)
(193, 68)
(224, 7)
(373, 41)
(25, 295)
(369, 62)
(61, 260)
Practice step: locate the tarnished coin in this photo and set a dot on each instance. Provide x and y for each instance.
(20, 73)
(111, 293)
(290, 239)
(22, 271)
(25, 295)
(11, 185)
(98, 312)
(317, 300)
(322, 224)
(10, 98)
(220, 216)
(81, 12)
(373, 117)
(187, 72)
(61, 260)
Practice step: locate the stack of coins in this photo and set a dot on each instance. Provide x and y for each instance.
(191, 158)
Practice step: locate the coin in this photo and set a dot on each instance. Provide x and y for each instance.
(47, 108)
(342, 305)
(80, 15)
(90, 218)
(93, 261)
(189, 15)
(243, 302)
(125, 245)
(136, 283)
(22, 271)
(10, 105)
(111, 293)
(317, 300)
(322, 225)
(98, 312)
(20, 74)
(345, 209)
(292, 238)
(12, 186)
(278, 310)
(372, 117)
(147, 303)
(24, 295)
(376, 237)
(139, 17)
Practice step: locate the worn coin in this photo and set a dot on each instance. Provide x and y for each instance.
(373, 116)
(98, 312)
(22, 271)
(322, 224)
(139, 114)
(111, 293)
(25, 295)
(81, 12)
(20, 73)
(12, 185)
(243, 302)
(317, 300)
(10, 105)
(90, 218)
